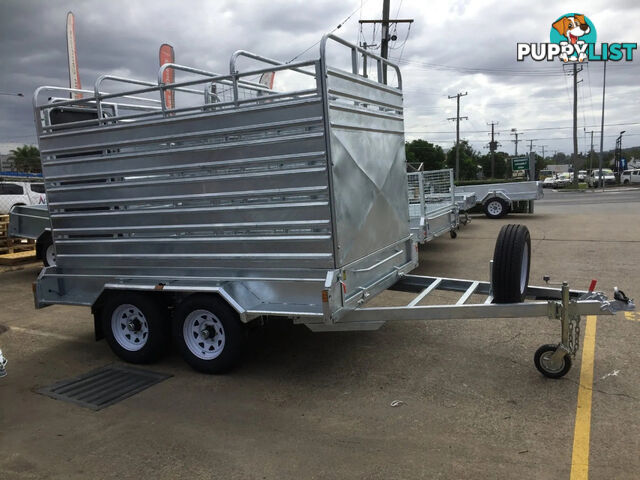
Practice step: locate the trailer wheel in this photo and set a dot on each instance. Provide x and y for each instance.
(453, 233)
(45, 250)
(542, 361)
(135, 327)
(49, 255)
(208, 334)
(496, 208)
(511, 264)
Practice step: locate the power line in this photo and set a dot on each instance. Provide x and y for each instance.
(482, 140)
(539, 71)
(534, 129)
(336, 28)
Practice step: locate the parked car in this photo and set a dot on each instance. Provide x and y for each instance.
(563, 180)
(630, 177)
(549, 182)
(607, 175)
(582, 175)
(20, 193)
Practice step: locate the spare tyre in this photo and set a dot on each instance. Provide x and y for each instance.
(511, 263)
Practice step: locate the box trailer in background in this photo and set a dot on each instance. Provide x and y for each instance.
(433, 209)
(33, 222)
(497, 199)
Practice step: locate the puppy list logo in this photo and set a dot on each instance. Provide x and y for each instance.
(573, 39)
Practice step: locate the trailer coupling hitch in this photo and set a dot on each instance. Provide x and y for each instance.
(620, 302)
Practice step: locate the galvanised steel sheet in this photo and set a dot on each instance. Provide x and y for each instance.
(368, 165)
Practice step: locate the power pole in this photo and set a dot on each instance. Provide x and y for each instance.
(532, 160)
(385, 37)
(542, 146)
(575, 123)
(514, 131)
(493, 146)
(604, 82)
(591, 149)
(457, 118)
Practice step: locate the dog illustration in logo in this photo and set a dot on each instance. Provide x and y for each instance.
(572, 27)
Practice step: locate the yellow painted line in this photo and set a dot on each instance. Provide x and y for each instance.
(582, 430)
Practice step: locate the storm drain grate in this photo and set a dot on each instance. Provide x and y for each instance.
(103, 387)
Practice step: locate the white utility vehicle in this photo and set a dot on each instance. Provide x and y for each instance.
(20, 193)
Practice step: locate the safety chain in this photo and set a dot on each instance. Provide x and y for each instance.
(574, 334)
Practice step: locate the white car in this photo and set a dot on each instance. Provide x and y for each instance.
(549, 182)
(607, 175)
(582, 175)
(20, 193)
(563, 180)
(630, 177)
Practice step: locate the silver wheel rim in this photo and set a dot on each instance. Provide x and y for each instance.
(204, 334)
(130, 327)
(494, 208)
(50, 254)
(547, 364)
(523, 269)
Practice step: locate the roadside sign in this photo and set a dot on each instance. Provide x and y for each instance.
(519, 163)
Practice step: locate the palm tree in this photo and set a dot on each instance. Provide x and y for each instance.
(26, 159)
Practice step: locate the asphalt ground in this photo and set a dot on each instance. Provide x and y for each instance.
(304, 405)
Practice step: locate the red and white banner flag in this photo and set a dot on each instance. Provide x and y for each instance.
(167, 55)
(72, 55)
(266, 79)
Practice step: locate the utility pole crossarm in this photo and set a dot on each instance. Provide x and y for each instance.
(384, 34)
(398, 20)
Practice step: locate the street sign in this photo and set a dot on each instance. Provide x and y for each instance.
(520, 163)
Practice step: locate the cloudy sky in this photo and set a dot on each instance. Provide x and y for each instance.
(453, 46)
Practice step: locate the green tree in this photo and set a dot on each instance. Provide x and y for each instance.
(560, 158)
(422, 152)
(541, 164)
(500, 164)
(468, 161)
(26, 159)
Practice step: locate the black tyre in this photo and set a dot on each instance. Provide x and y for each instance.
(453, 233)
(496, 208)
(45, 250)
(542, 361)
(511, 263)
(135, 326)
(208, 333)
(49, 254)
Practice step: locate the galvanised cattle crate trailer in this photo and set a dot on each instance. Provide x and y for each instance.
(187, 221)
